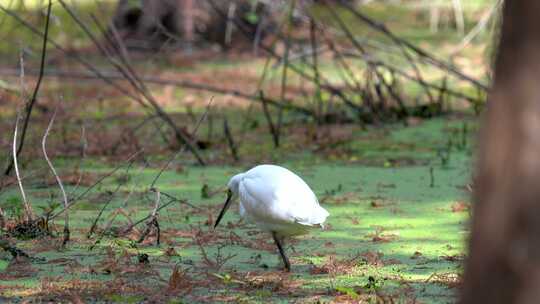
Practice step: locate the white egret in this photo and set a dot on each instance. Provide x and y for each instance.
(277, 201)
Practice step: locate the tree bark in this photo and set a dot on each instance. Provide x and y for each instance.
(504, 259)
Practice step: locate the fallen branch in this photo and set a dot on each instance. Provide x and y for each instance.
(14, 251)
(177, 83)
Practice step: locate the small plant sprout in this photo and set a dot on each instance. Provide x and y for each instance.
(277, 201)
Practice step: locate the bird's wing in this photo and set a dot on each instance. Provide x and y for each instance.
(308, 213)
(260, 198)
(281, 195)
(301, 202)
(241, 210)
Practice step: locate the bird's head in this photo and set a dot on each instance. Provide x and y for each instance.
(234, 183)
(232, 192)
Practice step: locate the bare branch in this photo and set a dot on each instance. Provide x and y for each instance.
(177, 83)
(30, 104)
(203, 117)
(126, 69)
(111, 195)
(58, 179)
(288, 22)
(230, 140)
(268, 117)
(420, 52)
(478, 27)
(172, 200)
(90, 67)
(153, 219)
(99, 181)
(27, 207)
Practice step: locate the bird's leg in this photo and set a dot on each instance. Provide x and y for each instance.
(282, 252)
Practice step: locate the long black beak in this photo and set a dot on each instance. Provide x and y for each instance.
(225, 207)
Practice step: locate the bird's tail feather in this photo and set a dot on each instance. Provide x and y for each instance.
(317, 218)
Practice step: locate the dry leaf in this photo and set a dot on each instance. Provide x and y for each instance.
(460, 206)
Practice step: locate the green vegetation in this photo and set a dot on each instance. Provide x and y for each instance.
(394, 230)
(398, 192)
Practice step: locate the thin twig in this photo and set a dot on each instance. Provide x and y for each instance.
(114, 215)
(178, 132)
(94, 223)
(125, 68)
(177, 83)
(287, 40)
(132, 131)
(111, 196)
(268, 117)
(404, 74)
(30, 104)
(372, 69)
(27, 207)
(201, 119)
(75, 56)
(58, 180)
(356, 86)
(173, 200)
(153, 222)
(2, 219)
(380, 27)
(327, 86)
(478, 27)
(315, 63)
(99, 181)
(182, 201)
(230, 140)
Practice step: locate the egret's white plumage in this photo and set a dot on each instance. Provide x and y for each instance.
(276, 200)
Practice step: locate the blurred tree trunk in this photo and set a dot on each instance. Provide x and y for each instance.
(504, 260)
(150, 23)
(188, 12)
